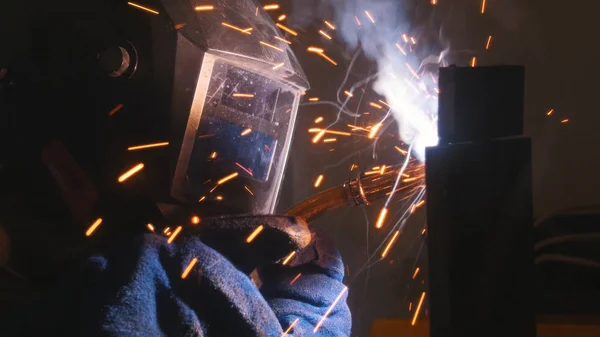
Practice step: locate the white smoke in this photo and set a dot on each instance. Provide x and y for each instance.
(381, 29)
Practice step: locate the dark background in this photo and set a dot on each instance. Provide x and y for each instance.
(557, 43)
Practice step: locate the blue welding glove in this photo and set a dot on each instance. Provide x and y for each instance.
(138, 289)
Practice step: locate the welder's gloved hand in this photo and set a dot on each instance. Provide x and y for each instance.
(138, 289)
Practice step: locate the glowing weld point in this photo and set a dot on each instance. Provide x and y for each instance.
(93, 227)
(381, 218)
(549, 112)
(489, 41)
(189, 268)
(147, 146)
(318, 120)
(270, 46)
(330, 308)
(131, 172)
(242, 95)
(289, 258)
(149, 10)
(328, 24)
(284, 28)
(203, 8)
(313, 99)
(281, 17)
(283, 40)
(285, 333)
(319, 180)
(115, 110)
(277, 66)
(352, 167)
(150, 227)
(389, 245)
(254, 233)
(369, 16)
(271, 7)
(246, 132)
(414, 320)
(325, 35)
(174, 235)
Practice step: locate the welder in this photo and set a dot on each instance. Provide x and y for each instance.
(202, 100)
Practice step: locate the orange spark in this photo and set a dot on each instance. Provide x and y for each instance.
(318, 120)
(318, 136)
(313, 99)
(115, 110)
(412, 71)
(245, 31)
(203, 8)
(412, 40)
(246, 132)
(93, 227)
(549, 112)
(195, 219)
(489, 41)
(369, 16)
(328, 24)
(286, 29)
(219, 197)
(131, 172)
(283, 40)
(381, 218)
(166, 230)
(405, 38)
(149, 10)
(213, 155)
(401, 151)
(374, 130)
(174, 235)
(375, 105)
(277, 66)
(328, 59)
(150, 227)
(352, 167)
(333, 132)
(384, 103)
(288, 258)
(255, 233)
(270, 46)
(414, 321)
(389, 245)
(473, 61)
(319, 180)
(315, 50)
(483, 6)
(227, 178)
(281, 17)
(285, 333)
(420, 203)
(416, 273)
(330, 308)
(249, 190)
(325, 35)
(400, 48)
(383, 169)
(189, 268)
(271, 7)
(423, 231)
(147, 146)
(296, 278)
(410, 306)
(329, 140)
(242, 95)
(348, 93)
(202, 199)
(433, 3)
(564, 121)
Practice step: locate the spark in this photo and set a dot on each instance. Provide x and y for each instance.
(423, 231)
(413, 40)
(328, 24)
(286, 29)
(328, 58)
(384, 103)
(219, 197)
(203, 8)
(277, 66)
(375, 105)
(271, 7)
(352, 167)
(400, 150)
(483, 6)
(381, 218)
(149, 10)
(245, 31)
(374, 130)
(414, 320)
(289, 258)
(315, 50)
(383, 169)
(314, 99)
(147, 146)
(166, 230)
(254, 233)
(564, 121)
(357, 20)
(318, 120)
(93, 227)
(550, 112)
(202, 199)
(281, 17)
(369, 16)
(283, 40)
(213, 155)
(179, 26)
(115, 110)
(243, 95)
(296, 278)
(401, 50)
(433, 2)
(416, 273)
(473, 61)
(412, 71)
(420, 203)
(318, 136)
(195, 219)
(150, 227)
(489, 41)
(131, 172)
(248, 189)
(330, 309)
(333, 132)
(389, 245)
(291, 327)
(325, 35)
(405, 38)
(189, 268)
(174, 235)
(348, 93)
(319, 180)
(246, 132)
(329, 140)
(270, 45)
(410, 306)
(245, 169)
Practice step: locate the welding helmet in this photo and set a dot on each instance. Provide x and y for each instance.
(217, 82)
